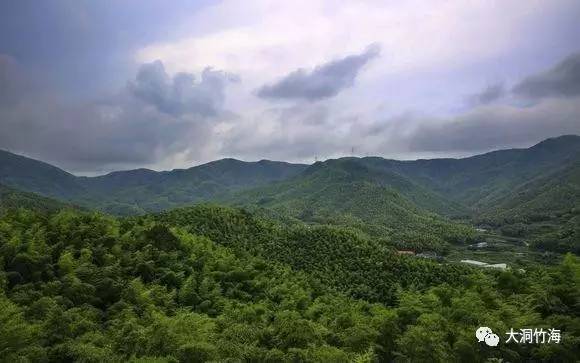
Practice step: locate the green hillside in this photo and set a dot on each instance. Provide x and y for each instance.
(346, 192)
(212, 284)
(138, 191)
(481, 182)
(530, 194)
(141, 190)
(542, 197)
(37, 177)
(452, 187)
(354, 170)
(11, 198)
(544, 210)
(352, 263)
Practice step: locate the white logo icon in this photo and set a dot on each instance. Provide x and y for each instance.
(491, 340)
(485, 334)
(482, 332)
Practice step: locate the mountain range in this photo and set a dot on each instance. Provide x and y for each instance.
(377, 195)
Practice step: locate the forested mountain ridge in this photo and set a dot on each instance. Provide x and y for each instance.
(11, 198)
(340, 258)
(346, 192)
(534, 192)
(138, 191)
(544, 210)
(230, 172)
(38, 177)
(550, 193)
(397, 200)
(444, 186)
(141, 190)
(480, 181)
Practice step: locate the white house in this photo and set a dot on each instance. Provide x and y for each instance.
(500, 266)
(473, 262)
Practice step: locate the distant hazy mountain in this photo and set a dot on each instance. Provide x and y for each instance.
(38, 177)
(481, 182)
(141, 190)
(544, 176)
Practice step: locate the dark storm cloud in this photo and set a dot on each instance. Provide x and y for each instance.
(307, 131)
(293, 133)
(64, 40)
(180, 94)
(12, 85)
(494, 127)
(489, 95)
(294, 136)
(563, 80)
(556, 111)
(119, 130)
(325, 81)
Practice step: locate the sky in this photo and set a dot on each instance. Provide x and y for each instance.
(97, 86)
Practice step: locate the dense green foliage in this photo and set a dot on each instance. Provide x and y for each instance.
(90, 288)
(343, 192)
(405, 202)
(544, 210)
(483, 181)
(345, 260)
(11, 198)
(536, 188)
(307, 272)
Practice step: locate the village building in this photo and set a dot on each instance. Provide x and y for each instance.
(499, 266)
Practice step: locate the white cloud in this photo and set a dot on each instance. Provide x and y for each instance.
(265, 39)
(156, 121)
(428, 48)
(434, 54)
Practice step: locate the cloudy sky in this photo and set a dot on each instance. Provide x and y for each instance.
(95, 86)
